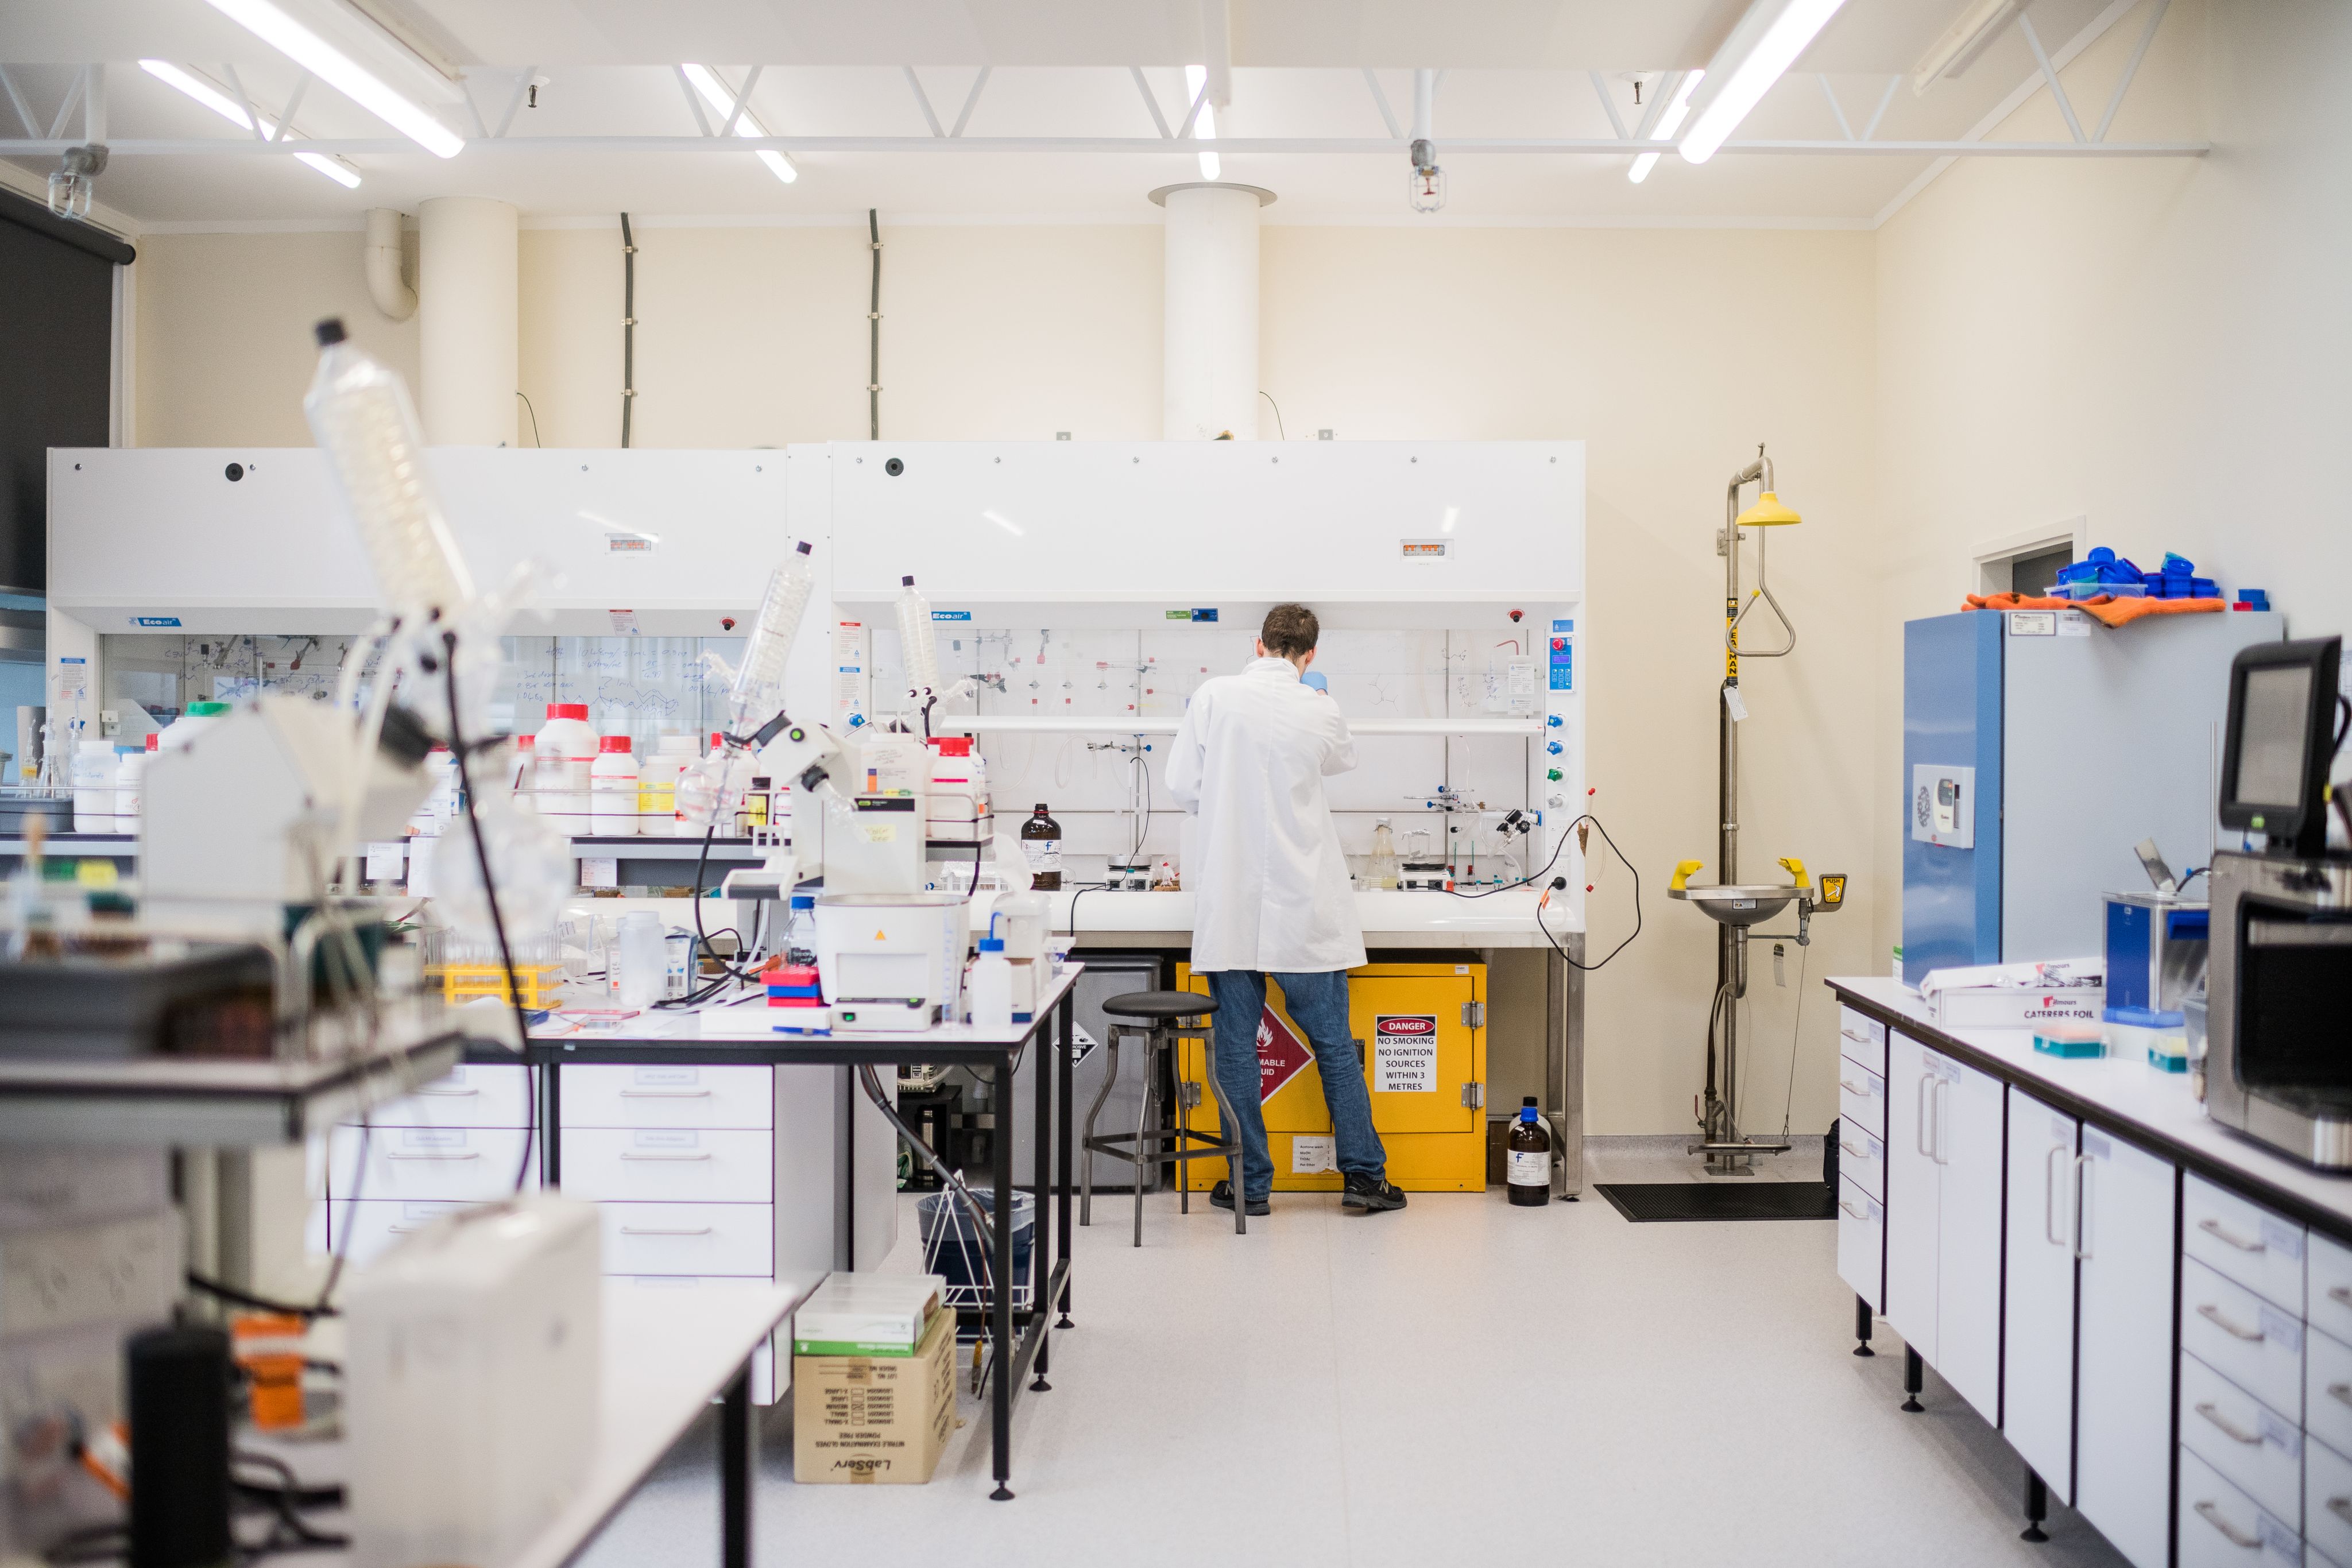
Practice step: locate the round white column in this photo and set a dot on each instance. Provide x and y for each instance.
(1209, 311)
(468, 320)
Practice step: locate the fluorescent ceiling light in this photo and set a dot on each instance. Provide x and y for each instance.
(1205, 126)
(323, 59)
(1760, 51)
(715, 93)
(1668, 123)
(229, 109)
(1970, 34)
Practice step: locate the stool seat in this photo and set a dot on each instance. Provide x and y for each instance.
(1159, 1004)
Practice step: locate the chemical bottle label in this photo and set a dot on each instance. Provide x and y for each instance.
(1531, 1169)
(1044, 854)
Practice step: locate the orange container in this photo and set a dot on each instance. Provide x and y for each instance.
(268, 1346)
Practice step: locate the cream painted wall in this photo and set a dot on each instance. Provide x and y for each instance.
(1671, 352)
(225, 350)
(2158, 347)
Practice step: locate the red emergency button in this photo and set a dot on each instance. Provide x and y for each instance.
(1558, 644)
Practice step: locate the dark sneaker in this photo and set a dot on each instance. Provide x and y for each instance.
(1222, 1197)
(1370, 1194)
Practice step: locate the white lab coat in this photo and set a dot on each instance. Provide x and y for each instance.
(1269, 883)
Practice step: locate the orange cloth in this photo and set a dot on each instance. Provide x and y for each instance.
(2106, 607)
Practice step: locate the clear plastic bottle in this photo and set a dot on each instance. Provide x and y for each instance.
(641, 959)
(129, 785)
(799, 931)
(918, 648)
(359, 411)
(612, 788)
(758, 692)
(1381, 871)
(93, 787)
(657, 777)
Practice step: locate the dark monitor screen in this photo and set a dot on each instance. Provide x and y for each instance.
(2275, 733)
(2276, 756)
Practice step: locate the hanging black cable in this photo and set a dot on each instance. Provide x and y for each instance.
(874, 335)
(628, 325)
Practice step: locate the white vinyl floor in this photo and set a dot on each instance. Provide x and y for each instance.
(1454, 1382)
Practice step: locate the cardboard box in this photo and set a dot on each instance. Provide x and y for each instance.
(862, 1420)
(867, 1314)
(2006, 1007)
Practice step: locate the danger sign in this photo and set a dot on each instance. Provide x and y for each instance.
(1404, 1053)
(1281, 1055)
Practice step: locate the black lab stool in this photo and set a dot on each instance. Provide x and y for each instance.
(1160, 1020)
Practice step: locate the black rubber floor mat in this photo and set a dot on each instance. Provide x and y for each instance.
(1731, 1198)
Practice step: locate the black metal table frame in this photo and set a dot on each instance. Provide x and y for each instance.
(1049, 1261)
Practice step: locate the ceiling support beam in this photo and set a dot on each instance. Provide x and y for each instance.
(523, 79)
(2050, 75)
(1601, 91)
(73, 97)
(16, 101)
(741, 97)
(2131, 68)
(923, 101)
(1379, 99)
(1880, 112)
(971, 102)
(693, 99)
(1836, 108)
(1668, 84)
(1146, 146)
(1151, 102)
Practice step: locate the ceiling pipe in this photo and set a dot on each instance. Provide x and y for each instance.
(1209, 311)
(385, 286)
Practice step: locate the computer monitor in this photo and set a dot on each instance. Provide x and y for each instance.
(2281, 739)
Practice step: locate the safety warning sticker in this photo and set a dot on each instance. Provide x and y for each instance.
(1281, 1055)
(1404, 1053)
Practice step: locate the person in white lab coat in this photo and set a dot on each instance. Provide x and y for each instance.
(1271, 894)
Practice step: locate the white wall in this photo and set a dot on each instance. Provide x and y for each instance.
(1671, 352)
(2160, 346)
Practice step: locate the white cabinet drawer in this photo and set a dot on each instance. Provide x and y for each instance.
(490, 1095)
(364, 1229)
(1862, 1097)
(2244, 1241)
(1862, 1241)
(2222, 1527)
(723, 1239)
(2238, 1434)
(2327, 1291)
(465, 1162)
(2242, 1337)
(2327, 1390)
(1863, 1158)
(1862, 1039)
(620, 1164)
(2328, 1501)
(668, 1095)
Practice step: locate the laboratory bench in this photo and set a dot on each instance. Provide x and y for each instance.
(668, 1120)
(2154, 1312)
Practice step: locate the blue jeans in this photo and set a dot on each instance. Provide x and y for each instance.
(1317, 1004)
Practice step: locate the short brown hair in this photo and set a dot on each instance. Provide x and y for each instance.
(1289, 631)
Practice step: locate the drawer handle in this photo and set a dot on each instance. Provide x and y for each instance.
(2236, 1434)
(2341, 1507)
(636, 1155)
(461, 1155)
(1852, 1088)
(2212, 1516)
(665, 1231)
(2212, 1314)
(1849, 1148)
(449, 1094)
(2213, 1227)
(2340, 1294)
(2340, 1392)
(664, 1093)
(404, 1229)
(1862, 1039)
(1850, 1208)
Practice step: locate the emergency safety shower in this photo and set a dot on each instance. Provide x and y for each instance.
(1734, 905)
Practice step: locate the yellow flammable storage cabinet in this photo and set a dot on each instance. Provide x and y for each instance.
(1420, 1031)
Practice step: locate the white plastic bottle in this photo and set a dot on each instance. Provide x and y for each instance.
(520, 770)
(640, 959)
(129, 785)
(440, 803)
(657, 777)
(562, 760)
(93, 787)
(992, 986)
(197, 718)
(612, 788)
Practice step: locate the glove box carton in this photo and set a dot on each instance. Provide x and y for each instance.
(865, 1420)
